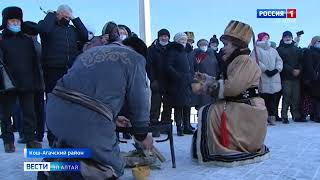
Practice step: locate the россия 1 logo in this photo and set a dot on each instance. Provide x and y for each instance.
(276, 13)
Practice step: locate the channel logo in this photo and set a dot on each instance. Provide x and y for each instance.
(51, 166)
(277, 13)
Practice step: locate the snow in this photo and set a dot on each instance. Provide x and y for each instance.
(295, 155)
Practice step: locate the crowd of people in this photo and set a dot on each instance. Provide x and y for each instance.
(115, 76)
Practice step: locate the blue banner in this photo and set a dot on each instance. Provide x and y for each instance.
(58, 153)
(271, 13)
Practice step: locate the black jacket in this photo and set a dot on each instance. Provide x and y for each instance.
(156, 61)
(291, 57)
(180, 74)
(61, 44)
(311, 71)
(19, 55)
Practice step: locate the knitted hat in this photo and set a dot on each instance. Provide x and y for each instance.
(287, 33)
(11, 13)
(179, 36)
(163, 32)
(202, 41)
(30, 28)
(262, 35)
(121, 26)
(273, 44)
(314, 40)
(214, 39)
(190, 35)
(238, 32)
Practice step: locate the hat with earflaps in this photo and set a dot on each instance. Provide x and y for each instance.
(190, 35)
(238, 32)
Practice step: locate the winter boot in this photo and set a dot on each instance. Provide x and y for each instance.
(179, 127)
(278, 118)
(186, 127)
(33, 144)
(156, 134)
(285, 121)
(271, 120)
(9, 148)
(126, 136)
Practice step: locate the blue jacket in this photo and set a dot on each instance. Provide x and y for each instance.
(110, 74)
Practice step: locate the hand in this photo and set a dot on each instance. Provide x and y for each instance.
(268, 73)
(122, 121)
(274, 72)
(296, 72)
(155, 86)
(105, 38)
(148, 142)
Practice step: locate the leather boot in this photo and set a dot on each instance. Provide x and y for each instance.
(285, 121)
(271, 120)
(9, 148)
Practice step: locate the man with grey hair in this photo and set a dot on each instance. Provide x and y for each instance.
(61, 44)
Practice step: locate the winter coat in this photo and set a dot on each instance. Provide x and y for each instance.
(246, 123)
(156, 62)
(113, 75)
(180, 74)
(205, 62)
(311, 71)
(61, 44)
(269, 59)
(291, 57)
(18, 53)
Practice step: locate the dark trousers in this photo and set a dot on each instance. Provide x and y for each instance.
(156, 100)
(316, 109)
(17, 118)
(278, 97)
(40, 114)
(291, 98)
(270, 101)
(26, 101)
(182, 116)
(51, 76)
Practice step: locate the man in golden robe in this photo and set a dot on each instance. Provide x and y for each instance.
(232, 131)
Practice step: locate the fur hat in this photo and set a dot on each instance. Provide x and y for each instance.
(262, 35)
(238, 32)
(179, 36)
(121, 26)
(137, 44)
(314, 40)
(190, 35)
(30, 28)
(214, 39)
(163, 32)
(202, 41)
(11, 13)
(287, 33)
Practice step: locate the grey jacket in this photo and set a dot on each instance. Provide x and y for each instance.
(111, 74)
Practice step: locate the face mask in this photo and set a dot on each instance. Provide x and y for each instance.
(14, 28)
(204, 48)
(64, 21)
(264, 43)
(123, 37)
(163, 43)
(317, 45)
(288, 42)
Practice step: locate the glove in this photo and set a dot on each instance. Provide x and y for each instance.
(154, 86)
(274, 72)
(268, 73)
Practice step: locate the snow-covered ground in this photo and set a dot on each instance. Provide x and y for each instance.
(295, 155)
